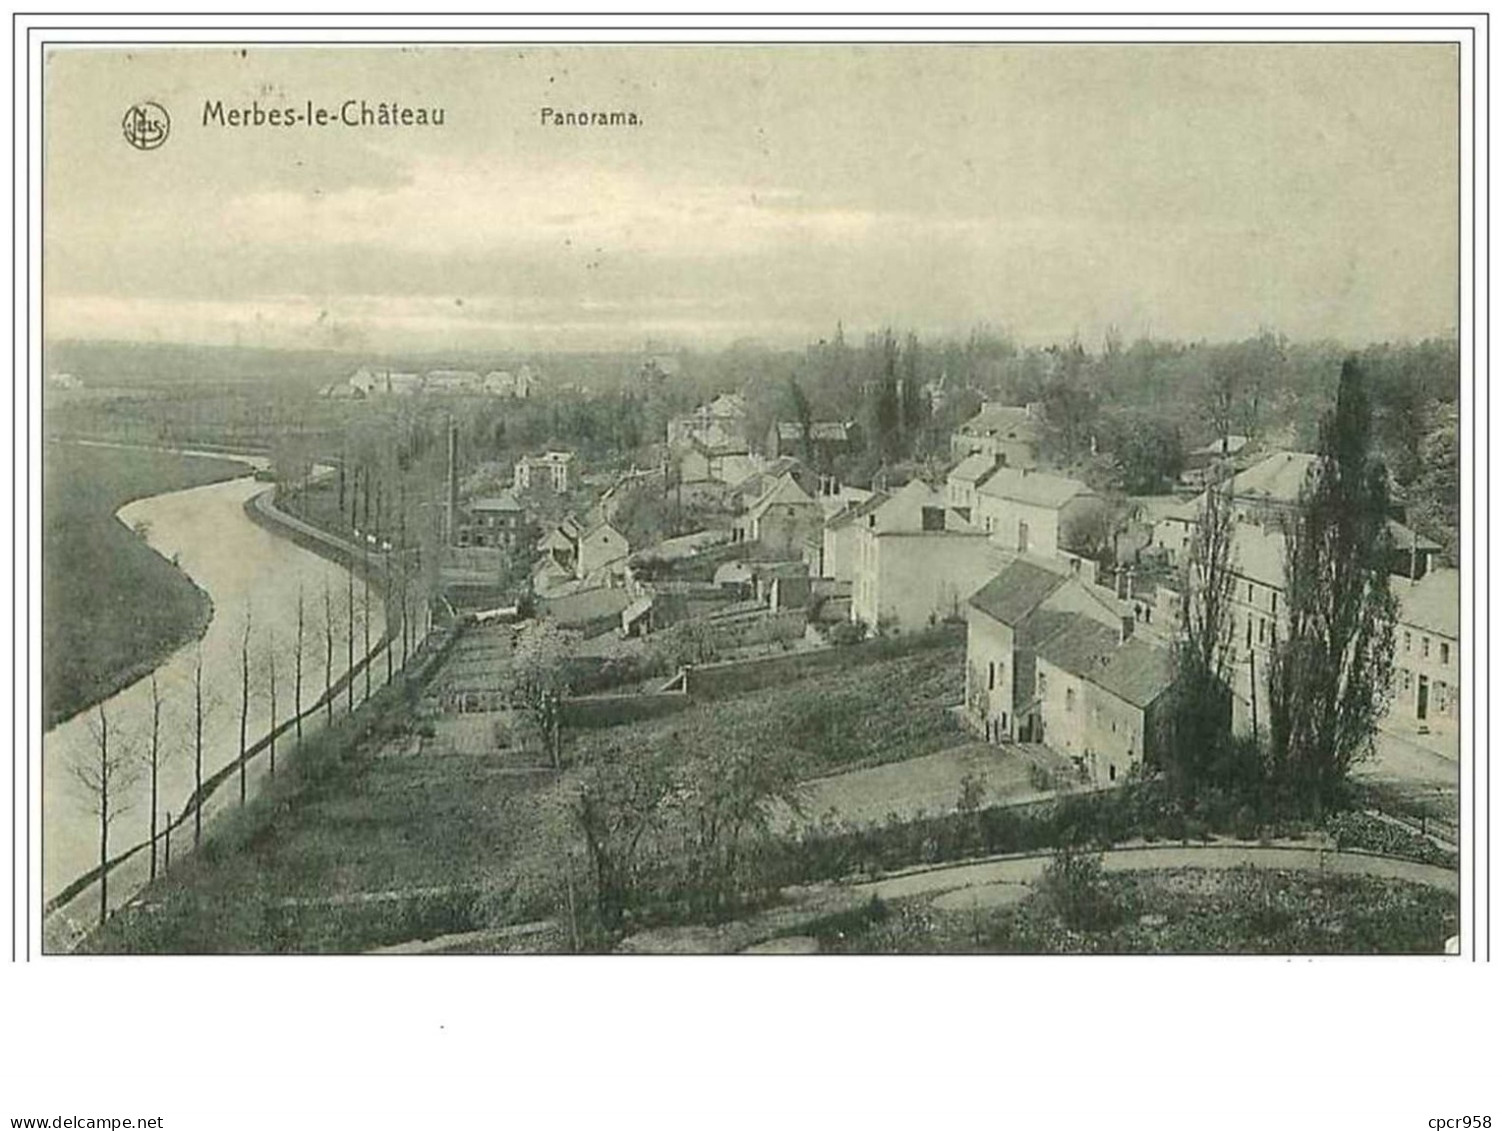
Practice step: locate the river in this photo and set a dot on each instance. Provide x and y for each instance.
(247, 571)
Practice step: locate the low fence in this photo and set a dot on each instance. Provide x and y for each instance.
(734, 677)
(593, 712)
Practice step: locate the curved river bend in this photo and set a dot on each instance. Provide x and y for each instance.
(244, 569)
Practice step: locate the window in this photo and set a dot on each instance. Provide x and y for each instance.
(1408, 642)
(1021, 536)
(1248, 592)
(1407, 679)
(1248, 632)
(1444, 653)
(1262, 631)
(1042, 683)
(993, 676)
(1426, 647)
(1069, 699)
(1275, 602)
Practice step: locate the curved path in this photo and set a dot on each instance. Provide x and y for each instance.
(998, 880)
(1215, 856)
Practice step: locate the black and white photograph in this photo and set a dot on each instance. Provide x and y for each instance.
(578, 499)
(609, 525)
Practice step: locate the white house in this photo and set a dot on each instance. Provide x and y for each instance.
(1030, 512)
(916, 560)
(550, 469)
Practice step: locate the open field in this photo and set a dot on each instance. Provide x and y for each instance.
(1246, 910)
(399, 839)
(834, 719)
(112, 608)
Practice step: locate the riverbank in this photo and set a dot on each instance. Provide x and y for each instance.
(112, 608)
(258, 581)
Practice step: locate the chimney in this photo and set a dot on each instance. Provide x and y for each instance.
(1130, 578)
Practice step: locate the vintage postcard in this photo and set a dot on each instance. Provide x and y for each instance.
(752, 498)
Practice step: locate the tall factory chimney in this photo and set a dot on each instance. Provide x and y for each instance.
(451, 508)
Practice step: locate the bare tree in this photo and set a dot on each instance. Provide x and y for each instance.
(365, 619)
(244, 694)
(328, 650)
(349, 671)
(271, 687)
(297, 664)
(156, 757)
(105, 777)
(198, 709)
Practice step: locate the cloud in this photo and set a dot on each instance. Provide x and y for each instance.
(448, 206)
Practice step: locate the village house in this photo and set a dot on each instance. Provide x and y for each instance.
(916, 560)
(1009, 433)
(492, 520)
(1426, 675)
(827, 439)
(504, 383)
(1426, 655)
(453, 382)
(1032, 512)
(782, 520)
(840, 547)
(1007, 618)
(727, 462)
(1098, 697)
(965, 479)
(551, 470)
(560, 543)
(721, 422)
(600, 546)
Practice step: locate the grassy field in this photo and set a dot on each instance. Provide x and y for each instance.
(112, 608)
(836, 719)
(1182, 911)
(476, 836)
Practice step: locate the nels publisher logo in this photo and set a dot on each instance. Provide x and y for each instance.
(146, 125)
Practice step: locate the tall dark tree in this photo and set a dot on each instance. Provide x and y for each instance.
(1330, 675)
(1196, 721)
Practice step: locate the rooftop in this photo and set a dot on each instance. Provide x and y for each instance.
(1277, 479)
(1233, 444)
(1038, 488)
(505, 501)
(1009, 421)
(1016, 591)
(1082, 647)
(1432, 603)
(972, 469)
(1139, 672)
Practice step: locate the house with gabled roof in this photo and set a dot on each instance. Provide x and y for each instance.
(1098, 695)
(1006, 432)
(916, 560)
(1031, 512)
(782, 520)
(600, 546)
(966, 477)
(1021, 605)
(490, 520)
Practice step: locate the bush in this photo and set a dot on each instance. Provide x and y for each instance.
(846, 632)
(1074, 886)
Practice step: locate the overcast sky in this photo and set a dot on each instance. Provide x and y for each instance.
(1185, 192)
